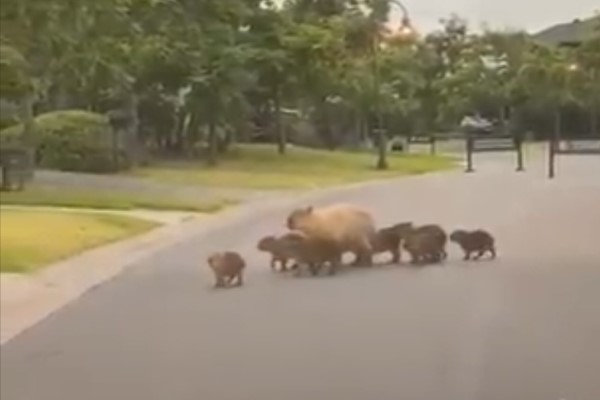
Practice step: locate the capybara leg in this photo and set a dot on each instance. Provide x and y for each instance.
(314, 268)
(444, 254)
(467, 255)
(282, 264)
(493, 252)
(363, 251)
(414, 259)
(480, 254)
(273, 263)
(333, 265)
(219, 282)
(395, 256)
(367, 259)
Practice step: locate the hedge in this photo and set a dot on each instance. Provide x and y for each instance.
(72, 140)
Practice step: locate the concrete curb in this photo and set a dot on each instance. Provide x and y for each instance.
(163, 217)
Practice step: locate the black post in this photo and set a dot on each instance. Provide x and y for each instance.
(554, 142)
(551, 155)
(469, 143)
(519, 146)
(432, 142)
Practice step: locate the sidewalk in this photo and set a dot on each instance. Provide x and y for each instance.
(162, 217)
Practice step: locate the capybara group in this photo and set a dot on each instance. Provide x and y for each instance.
(227, 267)
(319, 237)
(350, 226)
(478, 241)
(426, 244)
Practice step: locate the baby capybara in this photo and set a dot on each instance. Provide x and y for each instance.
(478, 241)
(311, 251)
(272, 244)
(426, 244)
(227, 267)
(388, 239)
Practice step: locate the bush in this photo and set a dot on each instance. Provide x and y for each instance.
(73, 140)
(7, 122)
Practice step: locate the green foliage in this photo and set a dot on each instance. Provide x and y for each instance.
(73, 140)
(187, 70)
(14, 79)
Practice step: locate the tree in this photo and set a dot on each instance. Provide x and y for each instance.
(588, 67)
(268, 32)
(545, 79)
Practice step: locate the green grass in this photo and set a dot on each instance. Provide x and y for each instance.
(52, 197)
(32, 239)
(260, 167)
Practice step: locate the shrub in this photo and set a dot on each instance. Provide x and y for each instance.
(73, 140)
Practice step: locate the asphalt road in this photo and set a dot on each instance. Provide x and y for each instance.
(523, 327)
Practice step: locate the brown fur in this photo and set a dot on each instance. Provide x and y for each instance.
(426, 244)
(478, 241)
(227, 267)
(388, 240)
(351, 227)
(273, 245)
(312, 251)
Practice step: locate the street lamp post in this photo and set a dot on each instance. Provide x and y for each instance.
(405, 26)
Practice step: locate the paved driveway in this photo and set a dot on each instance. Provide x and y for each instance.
(525, 327)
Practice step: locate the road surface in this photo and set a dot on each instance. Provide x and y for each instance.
(523, 327)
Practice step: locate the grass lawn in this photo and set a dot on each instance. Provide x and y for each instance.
(260, 167)
(33, 239)
(34, 196)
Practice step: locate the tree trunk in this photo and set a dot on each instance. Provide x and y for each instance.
(504, 119)
(594, 121)
(212, 140)
(28, 135)
(557, 125)
(279, 131)
(28, 123)
(132, 135)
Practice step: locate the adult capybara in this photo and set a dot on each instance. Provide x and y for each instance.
(426, 244)
(273, 245)
(478, 241)
(227, 267)
(311, 251)
(350, 226)
(388, 240)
